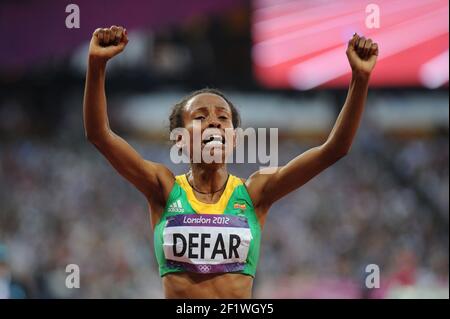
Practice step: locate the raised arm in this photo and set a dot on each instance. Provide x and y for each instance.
(269, 187)
(152, 179)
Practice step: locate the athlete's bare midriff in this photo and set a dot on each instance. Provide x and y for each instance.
(202, 286)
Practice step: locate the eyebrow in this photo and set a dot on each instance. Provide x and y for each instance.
(203, 108)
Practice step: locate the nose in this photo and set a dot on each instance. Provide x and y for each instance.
(214, 123)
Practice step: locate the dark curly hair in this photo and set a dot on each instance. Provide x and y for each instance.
(176, 116)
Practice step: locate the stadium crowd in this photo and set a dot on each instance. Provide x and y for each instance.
(386, 203)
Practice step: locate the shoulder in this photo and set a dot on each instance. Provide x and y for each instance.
(256, 184)
(165, 179)
(161, 170)
(259, 178)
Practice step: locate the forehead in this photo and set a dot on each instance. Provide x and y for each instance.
(206, 100)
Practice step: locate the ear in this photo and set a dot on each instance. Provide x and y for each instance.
(179, 140)
(180, 143)
(235, 140)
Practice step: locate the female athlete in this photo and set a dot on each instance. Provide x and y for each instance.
(207, 223)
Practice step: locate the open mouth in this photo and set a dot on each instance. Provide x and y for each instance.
(214, 140)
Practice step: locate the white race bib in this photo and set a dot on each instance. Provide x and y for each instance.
(207, 243)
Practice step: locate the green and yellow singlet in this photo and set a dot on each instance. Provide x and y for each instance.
(193, 236)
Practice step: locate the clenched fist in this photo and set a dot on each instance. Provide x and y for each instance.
(362, 54)
(107, 42)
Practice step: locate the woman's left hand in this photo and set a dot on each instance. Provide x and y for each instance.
(362, 54)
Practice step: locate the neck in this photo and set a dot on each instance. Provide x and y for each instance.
(208, 178)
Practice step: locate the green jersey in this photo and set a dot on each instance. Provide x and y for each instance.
(207, 238)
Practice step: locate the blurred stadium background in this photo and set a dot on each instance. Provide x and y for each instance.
(283, 63)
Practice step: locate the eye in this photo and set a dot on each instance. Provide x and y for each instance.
(200, 117)
(223, 117)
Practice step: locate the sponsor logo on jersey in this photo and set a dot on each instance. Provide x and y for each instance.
(176, 207)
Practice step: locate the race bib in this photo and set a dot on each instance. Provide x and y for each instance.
(206, 243)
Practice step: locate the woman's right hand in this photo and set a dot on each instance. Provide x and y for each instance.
(107, 43)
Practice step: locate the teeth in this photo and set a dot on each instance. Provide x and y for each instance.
(214, 142)
(213, 138)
